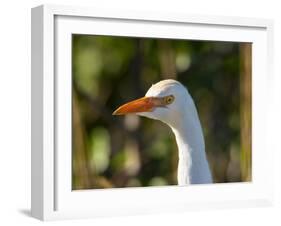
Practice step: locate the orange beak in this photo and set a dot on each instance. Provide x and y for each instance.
(144, 104)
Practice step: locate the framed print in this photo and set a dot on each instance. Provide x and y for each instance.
(135, 112)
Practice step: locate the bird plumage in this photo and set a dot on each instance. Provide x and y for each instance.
(170, 102)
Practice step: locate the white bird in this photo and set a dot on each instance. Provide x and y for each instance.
(170, 102)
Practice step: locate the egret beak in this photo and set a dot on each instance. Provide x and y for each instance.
(144, 104)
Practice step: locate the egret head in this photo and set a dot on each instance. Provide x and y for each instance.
(166, 101)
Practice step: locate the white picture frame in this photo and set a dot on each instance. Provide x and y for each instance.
(52, 197)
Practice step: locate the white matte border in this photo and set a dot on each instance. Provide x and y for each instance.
(65, 203)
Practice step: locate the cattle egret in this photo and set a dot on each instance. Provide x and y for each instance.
(170, 102)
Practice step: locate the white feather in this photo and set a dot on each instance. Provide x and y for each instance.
(182, 117)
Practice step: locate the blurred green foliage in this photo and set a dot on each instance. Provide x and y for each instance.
(112, 151)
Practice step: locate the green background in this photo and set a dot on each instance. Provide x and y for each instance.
(128, 151)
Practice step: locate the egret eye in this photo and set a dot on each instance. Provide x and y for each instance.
(169, 99)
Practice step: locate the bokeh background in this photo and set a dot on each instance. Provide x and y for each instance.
(128, 151)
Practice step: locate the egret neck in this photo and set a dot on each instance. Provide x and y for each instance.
(193, 166)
